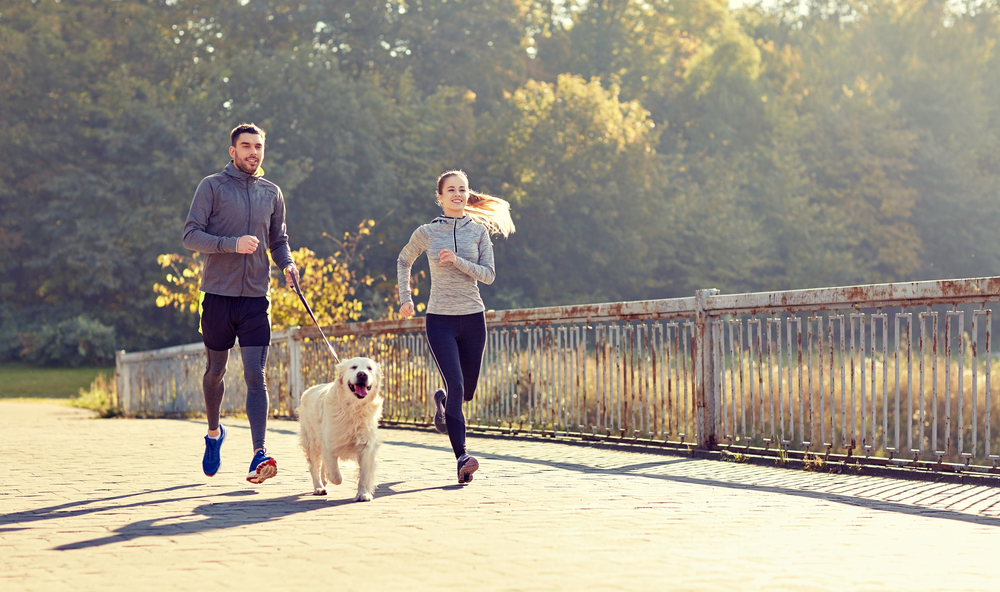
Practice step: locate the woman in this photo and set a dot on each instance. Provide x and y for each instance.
(460, 254)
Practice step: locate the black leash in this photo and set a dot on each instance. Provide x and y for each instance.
(295, 284)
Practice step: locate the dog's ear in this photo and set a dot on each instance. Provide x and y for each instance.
(378, 372)
(340, 370)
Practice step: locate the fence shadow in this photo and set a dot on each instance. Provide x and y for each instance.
(635, 470)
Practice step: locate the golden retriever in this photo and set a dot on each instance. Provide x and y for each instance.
(339, 421)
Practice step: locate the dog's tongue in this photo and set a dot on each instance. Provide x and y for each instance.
(361, 390)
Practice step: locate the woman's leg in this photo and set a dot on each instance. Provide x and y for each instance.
(442, 338)
(471, 346)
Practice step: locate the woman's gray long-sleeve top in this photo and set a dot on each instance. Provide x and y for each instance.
(454, 288)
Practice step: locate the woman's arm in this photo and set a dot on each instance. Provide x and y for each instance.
(409, 254)
(484, 269)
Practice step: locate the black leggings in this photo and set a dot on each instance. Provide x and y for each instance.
(457, 343)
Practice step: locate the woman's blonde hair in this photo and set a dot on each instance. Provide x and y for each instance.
(488, 210)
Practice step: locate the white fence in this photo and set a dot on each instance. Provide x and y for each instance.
(881, 374)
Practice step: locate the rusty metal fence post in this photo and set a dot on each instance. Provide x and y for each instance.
(706, 378)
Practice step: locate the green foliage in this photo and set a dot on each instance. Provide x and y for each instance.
(781, 459)
(815, 463)
(102, 397)
(649, 148)
(735, 457)
(75, 342)
(579, 169)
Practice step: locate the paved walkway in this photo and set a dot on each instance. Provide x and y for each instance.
(89, 504)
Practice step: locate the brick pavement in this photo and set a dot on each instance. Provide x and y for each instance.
(89, 504)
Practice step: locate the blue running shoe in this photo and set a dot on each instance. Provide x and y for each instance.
(262, 467)
(439, 422)
(212, 459)
(467, 465)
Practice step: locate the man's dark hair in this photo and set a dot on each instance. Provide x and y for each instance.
(245, 128)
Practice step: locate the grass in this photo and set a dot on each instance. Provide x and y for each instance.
(815, 462)
(102, 397)
(21, 381)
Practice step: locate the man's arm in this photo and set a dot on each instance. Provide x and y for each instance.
(277, 240)
(195, 237)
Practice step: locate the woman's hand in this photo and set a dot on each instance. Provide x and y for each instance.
(447, 256)
(406, 310)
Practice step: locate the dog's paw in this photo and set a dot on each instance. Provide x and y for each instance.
(363, 497)
(336, 478)
(319, 491)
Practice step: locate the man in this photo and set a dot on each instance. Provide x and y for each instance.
(232, 213)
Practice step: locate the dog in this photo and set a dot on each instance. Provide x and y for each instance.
(339, 421)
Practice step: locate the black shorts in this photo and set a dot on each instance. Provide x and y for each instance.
(224, 318)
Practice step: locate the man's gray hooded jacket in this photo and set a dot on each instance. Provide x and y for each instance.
(226, 206)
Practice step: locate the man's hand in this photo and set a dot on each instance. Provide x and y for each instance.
(247, 244)
(406, 310)
(291, 272)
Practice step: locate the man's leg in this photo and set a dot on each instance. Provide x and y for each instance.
(215, 390)
(214, 387)
(219, 336)
(258, 403)
(254, 333)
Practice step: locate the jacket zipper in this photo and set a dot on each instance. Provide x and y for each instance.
(249, 226)
(455, 236)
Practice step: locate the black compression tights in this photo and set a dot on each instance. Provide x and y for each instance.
(457, 343)
(254, 360)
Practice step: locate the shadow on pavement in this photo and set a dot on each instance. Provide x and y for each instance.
(217, 515)
(231, 514)
(390, 492)
(65, 511)
(631, 471)
(270, 430)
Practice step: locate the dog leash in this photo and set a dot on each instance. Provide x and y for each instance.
(295, 284)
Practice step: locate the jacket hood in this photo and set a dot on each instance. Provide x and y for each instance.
(236, 173)
(461, 221)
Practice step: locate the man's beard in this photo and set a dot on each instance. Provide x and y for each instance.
(246, 167)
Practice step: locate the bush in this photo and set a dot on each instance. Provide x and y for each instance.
(10, 343)
(102, 396)
(75, 342)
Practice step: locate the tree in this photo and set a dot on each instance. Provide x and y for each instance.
(75, 215)
(579, 169)
(649, 148)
